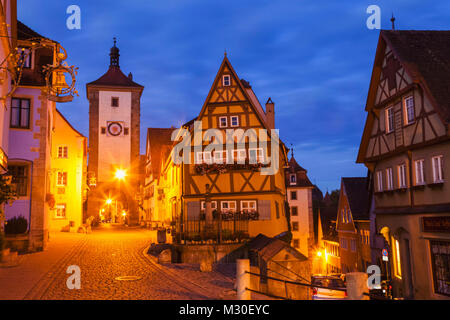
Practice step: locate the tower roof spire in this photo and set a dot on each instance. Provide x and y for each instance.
(114, 55)
(393, 21)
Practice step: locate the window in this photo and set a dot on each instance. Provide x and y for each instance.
(103, 130)
(213, 205)
(389, 119)
(440, 259)
(344, 243)
(296, 243)
(223, 122)
(61, 179)
(126, 131)
(380, 181)
(409, 109)
(20, 113)
(438, 174)
(293, 178)
(295, 226)
(353, 245)
(220, 156)
(248, 206)
(19, 175)
(234, 121)
(343, 217)
(228, 206)
(62, 152)
(60, 212)
(401, 169)
(25, 57)
(226, 80)
(277, 209)
(389, 179)
(114, 101)
(420, 179)
(294, 211)
(204, 157)
(396, 258)
(239, 155)
(256, 155)
(293, 195)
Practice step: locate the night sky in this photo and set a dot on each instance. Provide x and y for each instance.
(314, 58)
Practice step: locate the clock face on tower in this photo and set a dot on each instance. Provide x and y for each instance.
(114, 128)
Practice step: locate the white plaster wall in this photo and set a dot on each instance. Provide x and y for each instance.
(302, 203)
(113, 151)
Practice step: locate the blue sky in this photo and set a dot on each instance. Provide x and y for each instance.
(314, 58)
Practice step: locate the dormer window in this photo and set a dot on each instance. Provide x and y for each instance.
(114, 101)
(293, 178)
(226, 81)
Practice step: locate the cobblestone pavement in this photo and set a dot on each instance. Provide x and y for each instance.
(112, 252)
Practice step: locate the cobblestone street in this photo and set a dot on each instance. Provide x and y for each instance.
(107, 253)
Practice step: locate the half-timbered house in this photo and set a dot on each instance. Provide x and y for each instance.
(406, 146)
(229, 184)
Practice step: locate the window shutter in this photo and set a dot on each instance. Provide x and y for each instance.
(264, 209)
(193, 210)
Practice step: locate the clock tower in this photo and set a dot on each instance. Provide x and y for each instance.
(114, 131)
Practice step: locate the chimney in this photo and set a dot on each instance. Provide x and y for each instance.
(270, 113)
(130, 76)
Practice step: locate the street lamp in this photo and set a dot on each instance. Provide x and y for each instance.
(120, 174)
(108, 201)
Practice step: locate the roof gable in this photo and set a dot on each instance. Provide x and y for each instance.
(357, 194)
(158, 142)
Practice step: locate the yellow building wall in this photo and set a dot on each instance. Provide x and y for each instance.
(75, 165)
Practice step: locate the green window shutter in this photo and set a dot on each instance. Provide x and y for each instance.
(264, 209)
(193, 210)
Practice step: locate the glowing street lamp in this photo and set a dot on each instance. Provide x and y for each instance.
(120, 174)
(108, 201)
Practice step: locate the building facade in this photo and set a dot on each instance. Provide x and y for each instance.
(299, 196)
(69, 167)
(218, 180)
(114, 137)
(353, 225)
(30, 137)
(406, 146)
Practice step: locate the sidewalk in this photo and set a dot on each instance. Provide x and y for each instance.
(16, 282)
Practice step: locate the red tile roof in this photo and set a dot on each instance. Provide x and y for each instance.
(160, 142)
(114, 77)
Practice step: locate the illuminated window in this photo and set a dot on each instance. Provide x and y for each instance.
(438, 174)
(389, 114)
(293, 178)
(220, 156)
(396, 258)
(61, 179)
(213, 205)
(401, 170)
(19, 175)
(420, 179)
(20, 113)
(228, 206)
(204, 157)
(256, 155)
(248, 206)
(60, 212)
(239, 155)
(295, 226)
(226, 80)
(409, 109)
(63, 152)
(353, 245)
(440, 255)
